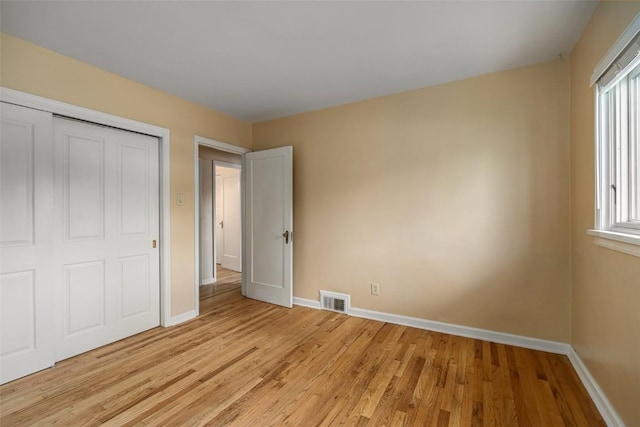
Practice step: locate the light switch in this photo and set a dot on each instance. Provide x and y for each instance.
(180, 199)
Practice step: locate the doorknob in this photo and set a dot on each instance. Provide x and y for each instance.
(286, 236)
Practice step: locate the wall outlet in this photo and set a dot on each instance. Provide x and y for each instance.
(375, 289)
(180, 199)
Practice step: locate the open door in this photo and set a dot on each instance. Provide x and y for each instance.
(269, 225)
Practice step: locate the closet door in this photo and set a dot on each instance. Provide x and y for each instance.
(106, 251)
(26, 308)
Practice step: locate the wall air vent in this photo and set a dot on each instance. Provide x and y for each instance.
(335, 302)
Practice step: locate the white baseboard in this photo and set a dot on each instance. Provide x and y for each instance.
(304, 302)
(207, 281)
(607, 410)
(463, 331)
(180, 318)
(448, 328)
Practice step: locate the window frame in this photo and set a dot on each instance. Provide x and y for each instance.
(617, 153)
(611, 229)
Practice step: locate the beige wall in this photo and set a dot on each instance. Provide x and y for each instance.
(605, 283)
(29, 68)
(455, 198)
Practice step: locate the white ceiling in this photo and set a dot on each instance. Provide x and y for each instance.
(262, 60)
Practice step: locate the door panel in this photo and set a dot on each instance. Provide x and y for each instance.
(133, 191)
(17, 293)
(84, 187)
(26, 312)
(84, 297)
(17, 183)
(107, 278)
(135, 282)
(269, 216)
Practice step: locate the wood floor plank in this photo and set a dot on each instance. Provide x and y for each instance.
(243, 362)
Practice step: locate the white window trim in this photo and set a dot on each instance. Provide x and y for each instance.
(621, 242)
(619, 237)
(615, 50)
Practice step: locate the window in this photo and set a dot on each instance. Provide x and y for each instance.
(618, 143)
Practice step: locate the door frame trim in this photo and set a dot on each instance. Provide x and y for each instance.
(28, 100)
(229, 148)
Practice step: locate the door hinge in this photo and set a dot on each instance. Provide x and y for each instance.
(153, 244)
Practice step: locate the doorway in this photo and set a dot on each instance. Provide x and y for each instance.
(266, 188)
(213, 158)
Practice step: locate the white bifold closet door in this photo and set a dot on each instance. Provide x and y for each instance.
(79, 224)
(106, 254)
(26, 309)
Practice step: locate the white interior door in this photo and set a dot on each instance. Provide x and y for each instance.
(106, 265)
(269, 225)
(231, 206)
(26, 310)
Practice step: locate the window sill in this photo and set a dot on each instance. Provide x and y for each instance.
(621, 242)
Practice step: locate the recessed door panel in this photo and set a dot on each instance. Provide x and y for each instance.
(84, 186)
(18, 304)
(16, 183)
(85, 302)
(134, 277)
(134, 190)
(268, 221)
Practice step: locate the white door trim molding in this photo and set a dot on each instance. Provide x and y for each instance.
(73, 111)
(216, 145)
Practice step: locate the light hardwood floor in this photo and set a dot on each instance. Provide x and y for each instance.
(247, 363)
